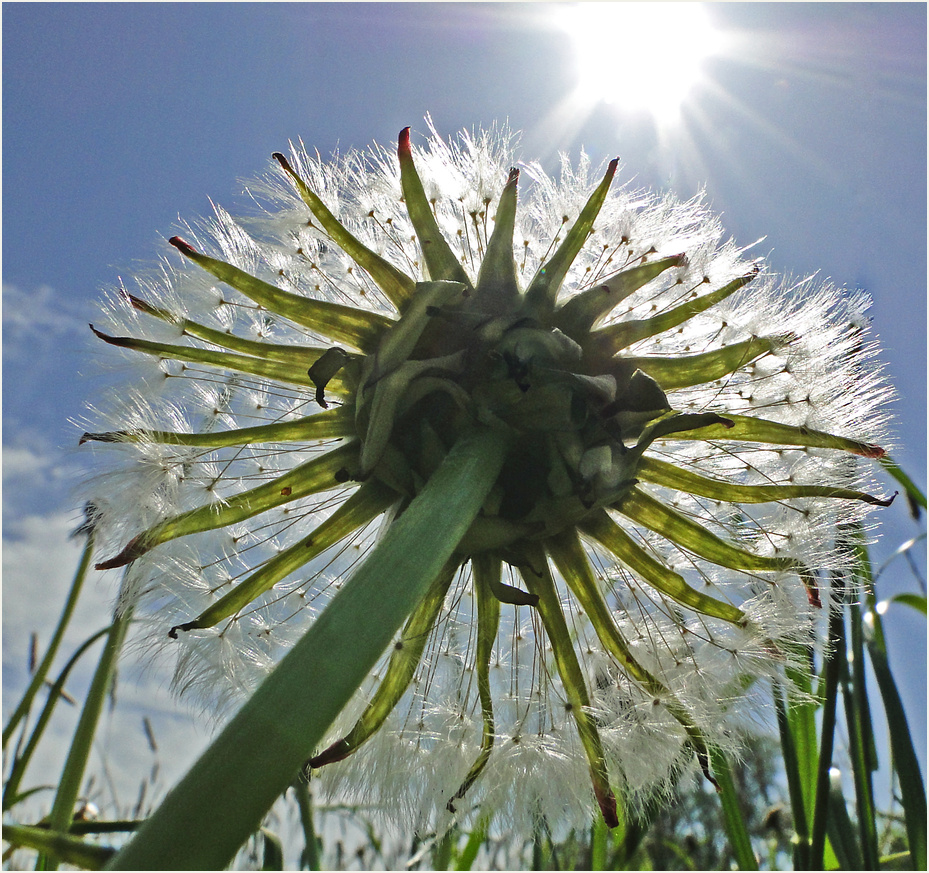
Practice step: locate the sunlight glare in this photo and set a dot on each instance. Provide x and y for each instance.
(639, 55)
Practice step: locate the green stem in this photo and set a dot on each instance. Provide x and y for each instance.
(76, 763)
(301, 790)
(38, 678)
(794, 782)
(221, 801)
(836, 650)
(72, 850)
(736, 829)
(912, 788)
(21, 761)
(905, 762)
(860, 740)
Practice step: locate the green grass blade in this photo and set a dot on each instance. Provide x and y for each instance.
(830, 678)
(466, 859)
(76, 762)
(736, 828)
(68, 849)
(41, 672)
(272, 856)
(794, 782)
(906, 764)
(11, 788)
(862, 749)
(843, 836)
(913, 492)
(916, 601)
(311, 850)
(912, 788)
(203, 821)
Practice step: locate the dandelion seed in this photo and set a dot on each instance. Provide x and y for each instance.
(686, 436)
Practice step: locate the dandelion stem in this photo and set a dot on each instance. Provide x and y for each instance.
(202, 822)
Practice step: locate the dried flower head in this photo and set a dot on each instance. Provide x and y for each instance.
(685, 437)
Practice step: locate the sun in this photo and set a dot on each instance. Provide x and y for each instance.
(639, 56)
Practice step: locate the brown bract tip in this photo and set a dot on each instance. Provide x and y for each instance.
(607, 802)
(187, 626)
(403, 146)
(135, 549)
(139, 303)
(182, 246)
(113, 436)
(336, 752)
(282, 161)
(870, 451)
(703, 759)
(886, 501)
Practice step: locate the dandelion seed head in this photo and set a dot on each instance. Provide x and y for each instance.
(689, 433)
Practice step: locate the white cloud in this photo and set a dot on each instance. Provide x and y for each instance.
(41, 313)
(22, 461)
(39, 564)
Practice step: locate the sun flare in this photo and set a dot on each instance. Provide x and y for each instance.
(639, 56)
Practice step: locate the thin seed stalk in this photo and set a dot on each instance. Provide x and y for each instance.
(283, 722)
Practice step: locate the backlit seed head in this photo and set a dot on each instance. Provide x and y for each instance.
(686, 443)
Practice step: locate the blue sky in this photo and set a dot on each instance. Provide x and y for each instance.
(808, 129)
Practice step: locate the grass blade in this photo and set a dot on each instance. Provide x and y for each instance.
(830, 679)
(76, 763)
(736, 829)
(71, 850)
(41, 672)
(912, 788)
(794, 782)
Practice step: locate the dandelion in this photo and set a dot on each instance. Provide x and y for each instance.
(682, 440)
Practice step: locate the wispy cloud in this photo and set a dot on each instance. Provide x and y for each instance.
(39, 562)
(41, 313)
